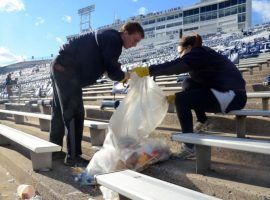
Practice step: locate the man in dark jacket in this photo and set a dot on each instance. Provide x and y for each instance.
(81, 62)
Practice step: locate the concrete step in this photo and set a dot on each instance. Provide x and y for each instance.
(165, 132)
(225, 180)
(8, 185)
(57, 184)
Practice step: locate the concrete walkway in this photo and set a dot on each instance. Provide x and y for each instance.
(8, 185)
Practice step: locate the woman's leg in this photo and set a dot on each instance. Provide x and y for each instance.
(200, 100)
(189, 85)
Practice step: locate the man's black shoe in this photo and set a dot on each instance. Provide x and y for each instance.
(75, 162)
(69, 161)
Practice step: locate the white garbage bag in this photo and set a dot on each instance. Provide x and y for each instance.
(127, 145)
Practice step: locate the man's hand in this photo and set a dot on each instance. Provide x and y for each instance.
(141, 71)
(171, 98)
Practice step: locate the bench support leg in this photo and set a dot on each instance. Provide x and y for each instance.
(241, 126)
(97, 136)
(251, 71)
(3, 116)
(265, 103)
(44, 124)
(46, 110)
(41, 161)
(203, 158)
(19, 119)
(4, 140)
(171, 108)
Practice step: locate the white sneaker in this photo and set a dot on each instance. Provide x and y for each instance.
(200, 127)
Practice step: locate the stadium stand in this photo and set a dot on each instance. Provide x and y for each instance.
(234, 174)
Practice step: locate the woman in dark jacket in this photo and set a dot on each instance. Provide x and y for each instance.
(215, 85)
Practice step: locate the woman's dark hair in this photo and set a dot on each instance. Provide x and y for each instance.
(193, 40)
(132, 27)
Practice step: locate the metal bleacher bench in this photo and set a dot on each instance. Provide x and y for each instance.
(265, 96)
(204, 142)
(44, 119)
(40, 150)
(97, 129)
(95, 98)
(241, 116)
(137, 186)
(249, 66)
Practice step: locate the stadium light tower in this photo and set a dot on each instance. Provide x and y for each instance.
(85, 13)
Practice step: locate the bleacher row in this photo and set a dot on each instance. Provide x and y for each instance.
(235, 174)
(35, 74)
(236, 147)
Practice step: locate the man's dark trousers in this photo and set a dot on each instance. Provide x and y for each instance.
(67, 109)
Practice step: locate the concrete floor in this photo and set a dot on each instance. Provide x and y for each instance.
(8, 185)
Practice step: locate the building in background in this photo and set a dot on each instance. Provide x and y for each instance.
(205, 17)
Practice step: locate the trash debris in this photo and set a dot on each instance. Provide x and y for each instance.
(37, 197)
(11, 180)
(82, 177)
(26, 191)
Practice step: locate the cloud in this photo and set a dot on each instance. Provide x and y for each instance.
(67, 18)
(262, 7)
(142, 11)
(59, 40)
(7, 57)
(11, 5)
(39, 21)
(49, 36)
(135, 1)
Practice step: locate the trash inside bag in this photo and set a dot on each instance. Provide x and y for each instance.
(127, 145)
(138, 156)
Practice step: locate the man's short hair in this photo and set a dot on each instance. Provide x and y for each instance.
(132, 27)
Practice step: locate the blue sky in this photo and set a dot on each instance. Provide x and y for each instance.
(39, 27)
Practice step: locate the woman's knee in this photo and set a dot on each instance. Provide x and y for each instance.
(238, 102)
